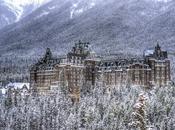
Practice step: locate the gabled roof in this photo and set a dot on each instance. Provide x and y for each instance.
(157, 53)
(120, 61)
(47, 62)
(18, 85)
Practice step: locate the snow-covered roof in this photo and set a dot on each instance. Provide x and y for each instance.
(18, 85)
(3, 91)
(71, 64)
(148, 52)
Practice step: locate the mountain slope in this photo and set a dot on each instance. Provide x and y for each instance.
(13, 10)
(109, 28)
(161, 29)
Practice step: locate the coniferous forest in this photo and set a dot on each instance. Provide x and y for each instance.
(123, 108)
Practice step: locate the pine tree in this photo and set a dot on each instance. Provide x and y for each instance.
(139, 113)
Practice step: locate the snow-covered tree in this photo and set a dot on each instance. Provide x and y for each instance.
(97, 109)
(139, 113)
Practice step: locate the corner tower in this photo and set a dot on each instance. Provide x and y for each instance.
(160, 66)
(42, 74)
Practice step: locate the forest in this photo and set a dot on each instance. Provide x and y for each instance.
(101, 108)
(15, 69)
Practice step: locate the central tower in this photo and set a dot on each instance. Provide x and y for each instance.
(78, 53)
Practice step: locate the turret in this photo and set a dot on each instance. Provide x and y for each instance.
(158, 51)
(47, 56)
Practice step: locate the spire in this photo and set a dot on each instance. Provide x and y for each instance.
(48, 55)
(79, 41)
(158, 52)
(158, 46)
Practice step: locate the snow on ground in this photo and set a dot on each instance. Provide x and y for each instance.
(7, 20)
(44, 13)
(78, 8)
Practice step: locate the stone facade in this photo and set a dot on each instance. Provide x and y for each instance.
(42, 74)
(160, 67)
(81, 66)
